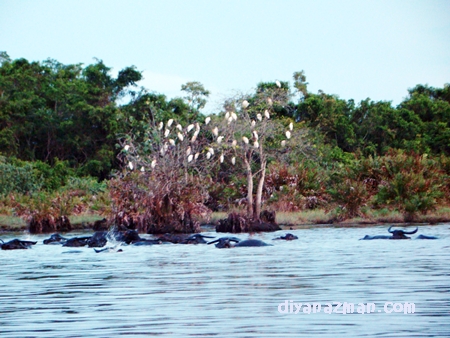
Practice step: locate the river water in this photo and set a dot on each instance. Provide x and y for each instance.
(201, 291)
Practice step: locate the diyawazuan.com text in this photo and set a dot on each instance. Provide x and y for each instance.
(291, 307)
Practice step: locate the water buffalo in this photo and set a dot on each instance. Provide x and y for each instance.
(400, 234)
(128, 236)
(367, 237)
(252, 242)
(196, 239)
(98, 239)
(55, 239)
(16, 244)
(287, 237)
(426, 237)
(144, 241)
(184, 238)
(227, 242)
(77, 241)
(396, 234)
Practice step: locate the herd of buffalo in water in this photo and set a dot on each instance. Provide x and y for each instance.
(131, 237)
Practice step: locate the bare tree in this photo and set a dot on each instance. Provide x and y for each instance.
(246, 132)
(167, 175)
(163, 185)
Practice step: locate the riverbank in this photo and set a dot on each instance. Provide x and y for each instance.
(286, 220)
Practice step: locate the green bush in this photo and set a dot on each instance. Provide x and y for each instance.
(54, 177)
(19, 178)
(350, 193)
(413, 183)
(85, 185)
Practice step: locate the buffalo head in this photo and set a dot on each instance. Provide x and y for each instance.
(400, 234)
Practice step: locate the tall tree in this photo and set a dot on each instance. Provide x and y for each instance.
(196, 95)
(49, 110)
(246, 133)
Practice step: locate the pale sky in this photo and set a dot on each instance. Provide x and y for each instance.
(356, 49)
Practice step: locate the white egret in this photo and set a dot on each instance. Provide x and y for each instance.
(194, 137)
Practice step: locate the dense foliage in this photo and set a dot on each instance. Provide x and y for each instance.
(64, 122)
(50, 112)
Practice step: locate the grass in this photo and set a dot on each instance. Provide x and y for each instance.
(83, 221)
(372, 216)
(12, 223)
(300, 219)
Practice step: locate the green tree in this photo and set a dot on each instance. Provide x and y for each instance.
(412, 183)
(49, 110)
(379, 126)
(247, 134)
(331, 116)
(432, 106)
(300, 83)
(196, 95)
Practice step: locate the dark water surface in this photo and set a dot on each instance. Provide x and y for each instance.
(202, 291)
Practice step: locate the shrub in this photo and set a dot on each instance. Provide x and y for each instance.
(413, 183)
(297, 187)
(19, 178)
(351, 196)
(157, 203)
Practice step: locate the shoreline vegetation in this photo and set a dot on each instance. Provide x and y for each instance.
(286, 220)
(79, 144)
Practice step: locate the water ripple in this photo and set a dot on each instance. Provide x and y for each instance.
(201, 291)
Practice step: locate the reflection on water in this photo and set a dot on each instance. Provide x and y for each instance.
(198, 290)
